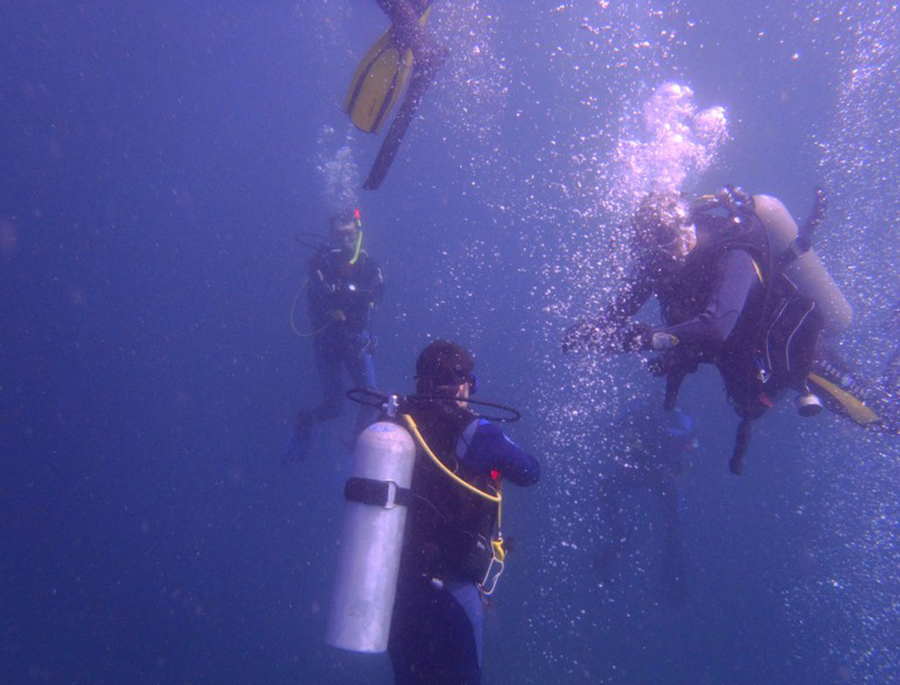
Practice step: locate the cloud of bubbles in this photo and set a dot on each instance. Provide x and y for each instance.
(678, 143)
(338, 170)
(853, 592)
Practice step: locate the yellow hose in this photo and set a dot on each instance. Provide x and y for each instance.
(498, 498)
(356, 251)
(294, 328)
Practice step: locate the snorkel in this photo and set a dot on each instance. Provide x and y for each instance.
(357, 217)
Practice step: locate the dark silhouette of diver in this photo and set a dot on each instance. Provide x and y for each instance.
(652, 452)
(404, 53)
(343, 286)
(739, 287)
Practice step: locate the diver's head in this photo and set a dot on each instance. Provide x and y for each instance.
(445, 368)
(344, 231)
(662, 225)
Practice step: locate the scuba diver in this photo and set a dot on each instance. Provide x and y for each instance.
(405, 52)
(653, 451)
(343, 286)
(739, 287)
(453, 550)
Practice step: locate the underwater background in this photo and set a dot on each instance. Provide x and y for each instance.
(158, 163)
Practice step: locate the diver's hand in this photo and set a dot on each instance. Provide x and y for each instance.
(583, 335)
(639, 337)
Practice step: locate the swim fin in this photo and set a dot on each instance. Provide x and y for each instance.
(421, 81)
(379, 80)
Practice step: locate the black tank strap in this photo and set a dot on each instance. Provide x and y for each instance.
(380, 493)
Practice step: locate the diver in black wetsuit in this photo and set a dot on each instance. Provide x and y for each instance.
(450, 554)
(344, 285)
(739, 287)
(652, 449)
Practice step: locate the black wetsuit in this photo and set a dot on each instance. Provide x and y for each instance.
(341, 297)
(436, 630)
(701, 306)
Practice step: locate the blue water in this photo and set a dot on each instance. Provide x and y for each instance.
(158, 161)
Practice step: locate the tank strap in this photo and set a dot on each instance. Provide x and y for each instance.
(803, 242)
(380, 493)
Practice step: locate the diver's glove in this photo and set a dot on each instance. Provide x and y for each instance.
(639, 337)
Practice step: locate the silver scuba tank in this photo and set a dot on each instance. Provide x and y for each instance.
(377, 495)
(807, 272)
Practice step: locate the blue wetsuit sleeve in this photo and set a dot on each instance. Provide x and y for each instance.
(735, 280)
(491, 450)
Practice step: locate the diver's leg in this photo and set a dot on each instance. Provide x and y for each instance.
(429, 58)
(327, 352)
(419, 83)
(405, 16)
(400, 12)
(433, 637)
(361, 368)
(328, 366)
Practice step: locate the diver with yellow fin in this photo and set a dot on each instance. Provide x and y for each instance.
(404, 53)
(739, 287)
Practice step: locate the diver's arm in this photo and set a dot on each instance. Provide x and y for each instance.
(603, 333)
(630, 298)
(737, 277)
(322, 293)
(486, 448)
(318, 286)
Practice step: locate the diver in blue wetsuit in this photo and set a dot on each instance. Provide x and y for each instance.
(739, 287)
(652, 450)
(344, 285)
(450, 554)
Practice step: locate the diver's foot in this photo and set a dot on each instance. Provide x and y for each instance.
(736, 465)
